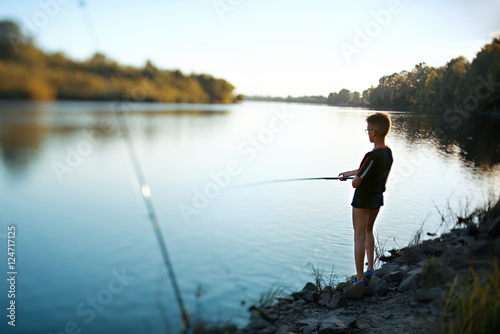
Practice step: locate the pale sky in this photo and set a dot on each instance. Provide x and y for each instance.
(266, 47)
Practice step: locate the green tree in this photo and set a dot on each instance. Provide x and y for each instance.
(453, 80)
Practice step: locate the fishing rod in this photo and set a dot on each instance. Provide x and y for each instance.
(291, 180)
(145, 189)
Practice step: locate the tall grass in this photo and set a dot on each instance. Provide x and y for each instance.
(322, 283)
(473, 305)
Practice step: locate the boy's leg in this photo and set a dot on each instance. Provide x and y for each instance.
(360, 219)
(370, 240)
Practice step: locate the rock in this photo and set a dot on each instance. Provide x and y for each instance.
(285, 307)
(308, 296)
(309, 330)
(259, 324)
(307, 322)
(378, 286)
(341, 286)
(429, 295)
(355, 291)
(395, 276)
(494, 228)
(337, 324)
(268, 330)
(415, 255)
(307, 293)
(472, 229)
(324, 299)
(269, 314)
(481, 247)
(385, 270)
(387, 315)
(284, 329)
(299, 305)
(432, 249)
(338, 301)
(410, 282)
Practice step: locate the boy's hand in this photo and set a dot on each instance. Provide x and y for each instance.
(342, 176)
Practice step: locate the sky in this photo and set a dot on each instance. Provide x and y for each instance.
(265, 47)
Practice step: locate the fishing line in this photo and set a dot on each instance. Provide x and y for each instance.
(145, 190)
(290, 180)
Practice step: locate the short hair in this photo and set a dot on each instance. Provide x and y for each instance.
(382, 121)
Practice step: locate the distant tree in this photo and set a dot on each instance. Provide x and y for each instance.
(29, 73)
(432, 91)
(356, 98)
(12, 40)
(453, 80)
(482, 82)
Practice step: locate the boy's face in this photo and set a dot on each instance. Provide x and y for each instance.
(370, 129)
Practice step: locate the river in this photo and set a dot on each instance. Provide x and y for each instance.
(86, 253)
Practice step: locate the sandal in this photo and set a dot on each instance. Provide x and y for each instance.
(358, 282)
(369, 273)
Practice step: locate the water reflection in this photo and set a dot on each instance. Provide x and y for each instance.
(26, 126)
(475, 139)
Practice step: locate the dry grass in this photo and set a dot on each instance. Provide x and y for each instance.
(473, 304)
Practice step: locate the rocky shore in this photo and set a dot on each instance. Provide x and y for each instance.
(408, 294)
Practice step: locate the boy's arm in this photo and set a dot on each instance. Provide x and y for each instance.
(356, 182)
(347, 174)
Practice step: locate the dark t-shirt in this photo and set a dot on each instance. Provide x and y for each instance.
(374, 170)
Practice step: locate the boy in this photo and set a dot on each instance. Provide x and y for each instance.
(369, 182)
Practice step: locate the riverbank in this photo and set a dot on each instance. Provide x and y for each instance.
(449, 282)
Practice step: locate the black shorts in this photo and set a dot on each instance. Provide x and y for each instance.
(368, 201)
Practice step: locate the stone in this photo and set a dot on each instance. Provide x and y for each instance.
(341, 286)
(309, 330)
(355, 291)
(307, 322)
(338, 301)
(415, 255)
(481, 247)
(268, 330)
(432, 249)
(284, 329)
(378, 286)
(337, 324)
(259, 324)
(395, 276)
(472, 229)
(410, 282)
(386, 269)
(307, 293)
(269, 314)
(324, 299)
(430, 295)
(308, 296)
(494, 228)
(387, 315)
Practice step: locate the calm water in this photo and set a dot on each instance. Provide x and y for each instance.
(87, 256)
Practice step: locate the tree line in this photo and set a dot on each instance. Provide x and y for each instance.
(26, 72)
(458, 85)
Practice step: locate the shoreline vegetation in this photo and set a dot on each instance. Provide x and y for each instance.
(448, 284)
(458, 85)
(28, 73)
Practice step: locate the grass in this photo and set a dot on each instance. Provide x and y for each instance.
(267, 298)
(473, 303)
(380, 250)
(323, 284)
(482, 216)
(434, 273)
(417, 237)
